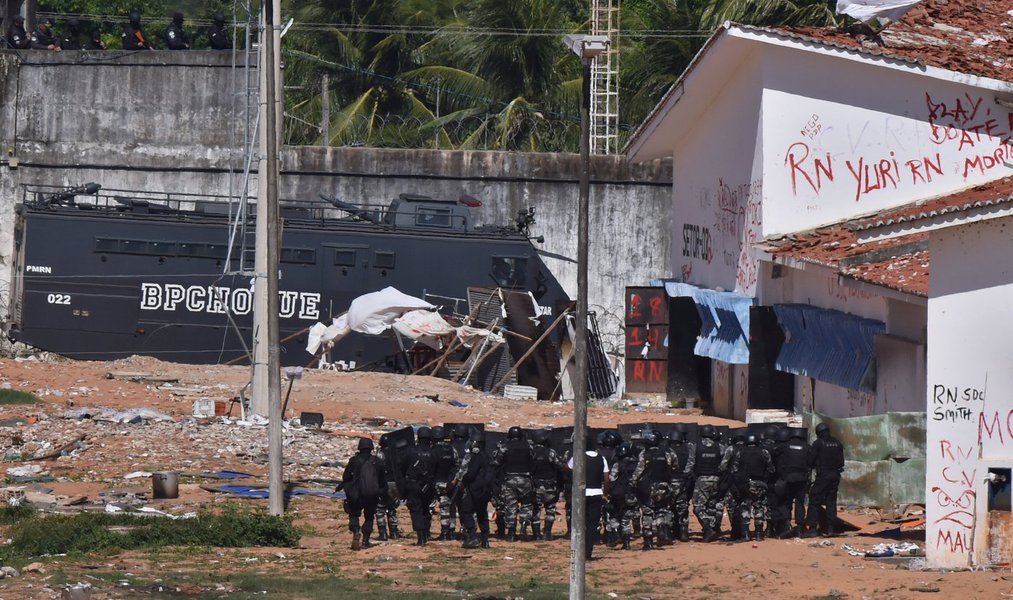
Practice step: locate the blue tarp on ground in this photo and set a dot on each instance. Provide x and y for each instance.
(248, 491)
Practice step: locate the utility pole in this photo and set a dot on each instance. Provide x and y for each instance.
(325, 110)
(587, 47)
(267, 364)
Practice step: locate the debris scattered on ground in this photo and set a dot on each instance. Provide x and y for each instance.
(885, 550)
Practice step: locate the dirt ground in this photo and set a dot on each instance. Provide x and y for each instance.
(92, 470)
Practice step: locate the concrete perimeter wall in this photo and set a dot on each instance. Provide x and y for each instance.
(175, 122)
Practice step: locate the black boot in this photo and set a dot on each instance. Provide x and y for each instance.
(420, 538)
(536, 531)
(470, 539)
(683, 533)
(809, 532)
(710, 534)
(547, 534)
(664, 535)
(444, 534)
(500, 526)
(356, 540)
(383, 533)
(365, 541)
(626, 542)
(485, 539)
(511, 535)
(759, 532)
(744, 531)
(394, 533)
(648, 543)
(524, 531)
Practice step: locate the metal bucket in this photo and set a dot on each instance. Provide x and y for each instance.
(165, 484)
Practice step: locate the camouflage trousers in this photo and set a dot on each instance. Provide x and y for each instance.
(707, 505)
(624, 510)
(546, 496)
(753, 504)
(386, 513)
(680, 502)
(446, 509)
(516, 500)
(657, 510)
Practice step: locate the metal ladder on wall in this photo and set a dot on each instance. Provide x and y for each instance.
(604, 114)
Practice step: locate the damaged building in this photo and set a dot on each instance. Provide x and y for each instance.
(839, 207)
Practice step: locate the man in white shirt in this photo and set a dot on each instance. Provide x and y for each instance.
(595, 490)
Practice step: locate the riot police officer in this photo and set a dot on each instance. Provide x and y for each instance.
(682, 481)
(623, 500)
(653, 477)
(386, 508)
(513, 458)
(707, 500)
(420, 488)
(474, 477)
(826, 456)
(43, 38)
(546, 478)
(792, 464)
(754, 467)
(446, 467)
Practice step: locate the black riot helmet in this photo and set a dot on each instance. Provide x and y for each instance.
(708, 431)
(19, 20)
(652, 437)
(424, 433)
(477, 441)
(514, 433)
(135, 18)
(822, 428)
(752, 440)
(438, 433)
(365, 444)
(624, 450)
(461, 431)
(177, 18)
(739, 435)
(72, 24)
(796, 434)
(676, 437)
(783, 435)
(542, 438)
(385, 440)
(219, 19)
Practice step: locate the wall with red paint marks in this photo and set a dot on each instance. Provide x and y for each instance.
(865, 139)
(718, 173)
(969, 385)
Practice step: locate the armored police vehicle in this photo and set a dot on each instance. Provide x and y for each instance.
(104, 274)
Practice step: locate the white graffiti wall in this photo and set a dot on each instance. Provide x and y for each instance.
(866, 139)
(969, 385)
(717, 189)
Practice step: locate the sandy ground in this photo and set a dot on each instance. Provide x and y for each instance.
(355, 404)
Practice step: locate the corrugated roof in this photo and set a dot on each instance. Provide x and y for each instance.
(900, 264)
(966, 36)
(994, 193)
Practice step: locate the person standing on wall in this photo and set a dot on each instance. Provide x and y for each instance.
(43, 37)
(826, 456)
(218, 37)
(132, 37)
(17, 37)
(175, 36)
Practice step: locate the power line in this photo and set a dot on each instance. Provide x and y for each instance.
(452, 31)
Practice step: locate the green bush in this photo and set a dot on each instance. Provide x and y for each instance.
(17, 397)
(103, 532)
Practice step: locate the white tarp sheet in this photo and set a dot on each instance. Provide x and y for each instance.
(470, 335)
(423, 326)
(374, 313)
(865, 10)
(323, 335)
